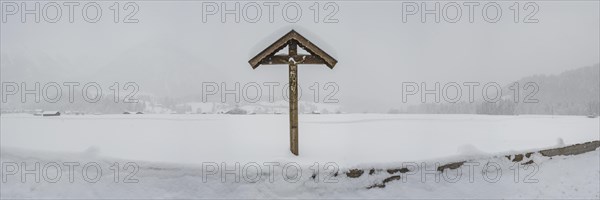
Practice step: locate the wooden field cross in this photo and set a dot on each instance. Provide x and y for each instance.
(317, 56)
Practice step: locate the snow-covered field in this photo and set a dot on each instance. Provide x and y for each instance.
(179, 156)
(347, 139)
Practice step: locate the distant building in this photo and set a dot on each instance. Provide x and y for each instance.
(50, 113)
(237, 111)
(131, 112)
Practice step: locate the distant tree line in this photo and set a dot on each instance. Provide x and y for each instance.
(574, 92)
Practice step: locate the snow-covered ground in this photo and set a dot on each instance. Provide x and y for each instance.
(181, 156)
(559, 177)
(347, 139)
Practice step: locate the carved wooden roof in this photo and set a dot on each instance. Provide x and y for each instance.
(317, 56)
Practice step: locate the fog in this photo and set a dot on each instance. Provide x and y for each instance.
(170, 51)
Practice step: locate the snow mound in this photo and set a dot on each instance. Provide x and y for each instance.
(494, 177)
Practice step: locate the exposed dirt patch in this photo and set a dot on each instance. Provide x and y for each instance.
(528, 154)
(568, 150)
(387, 180)
(572, 150)
(391, 178)
(518, 158)
(401, 170)
(528, 162)
(355, 173)
(450, 166)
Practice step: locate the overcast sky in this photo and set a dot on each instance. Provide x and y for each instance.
(376, 50)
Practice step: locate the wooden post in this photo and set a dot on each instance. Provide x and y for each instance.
(293, 94)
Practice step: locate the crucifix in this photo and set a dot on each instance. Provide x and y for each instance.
(316, 56)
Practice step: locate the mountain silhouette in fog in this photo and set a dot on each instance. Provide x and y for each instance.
(574, 91)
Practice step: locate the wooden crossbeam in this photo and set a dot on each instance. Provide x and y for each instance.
(298, 59)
